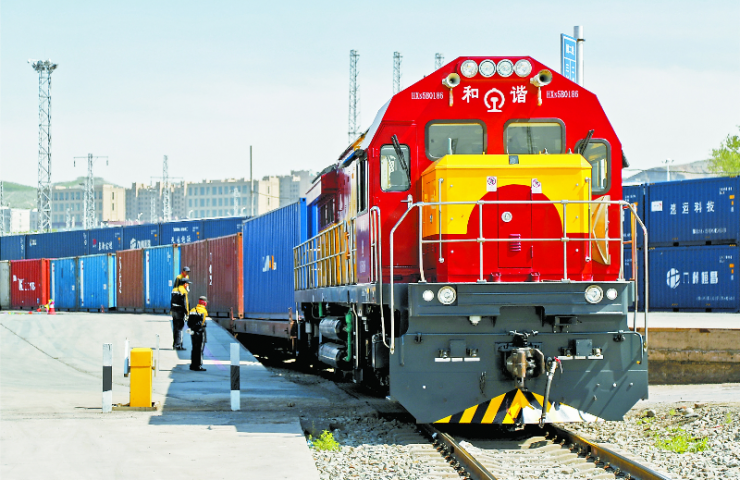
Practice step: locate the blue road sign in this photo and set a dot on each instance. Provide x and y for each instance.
(568, 57)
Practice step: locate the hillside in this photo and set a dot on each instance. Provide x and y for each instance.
(23, 196)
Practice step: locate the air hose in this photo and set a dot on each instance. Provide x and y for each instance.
(552, 366)
(350, 332)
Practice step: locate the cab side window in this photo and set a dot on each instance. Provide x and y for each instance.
(598, 155)
(393, 177)
(448, 138)
(523, 137)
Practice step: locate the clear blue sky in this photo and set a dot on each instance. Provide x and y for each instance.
(201, 81)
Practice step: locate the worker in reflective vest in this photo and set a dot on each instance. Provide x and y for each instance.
(197, 326)
(179, 309)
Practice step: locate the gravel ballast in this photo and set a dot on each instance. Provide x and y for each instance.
(376, 448)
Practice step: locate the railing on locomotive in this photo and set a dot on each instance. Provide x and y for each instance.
(564, 239)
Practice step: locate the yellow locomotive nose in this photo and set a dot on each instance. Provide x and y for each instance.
(492, 199)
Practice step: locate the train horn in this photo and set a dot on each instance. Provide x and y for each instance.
(544, 77)
(452, 81)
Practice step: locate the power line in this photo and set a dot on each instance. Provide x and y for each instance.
(43, 189)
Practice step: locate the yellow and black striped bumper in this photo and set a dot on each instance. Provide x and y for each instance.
(518, 407)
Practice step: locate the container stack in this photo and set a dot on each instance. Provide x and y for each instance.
(693, 232)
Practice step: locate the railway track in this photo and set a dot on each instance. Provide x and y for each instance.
(556, 454)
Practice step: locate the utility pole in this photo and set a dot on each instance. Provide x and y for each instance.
(354, 94)
(43, 190)
(439, 59)
(578, 35)
(396, 72)
(166, 207)
(251, 185)
(89, 200)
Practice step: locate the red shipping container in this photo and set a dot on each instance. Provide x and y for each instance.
(130, 279)
(195, 256)
(29, 283)
(225, 279)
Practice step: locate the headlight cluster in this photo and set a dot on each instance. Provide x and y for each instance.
(594, 294)
(488, 68)
(446, 295)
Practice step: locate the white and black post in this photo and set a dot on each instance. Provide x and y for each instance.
(107, 377)
(235, 378)
(126, 359)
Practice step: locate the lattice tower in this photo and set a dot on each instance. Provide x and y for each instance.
(439, 59)
(354, 97)
(43, 190)
(396, 72)
(166, 206)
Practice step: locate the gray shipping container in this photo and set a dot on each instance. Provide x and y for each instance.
(4, 285)
(693, 212)
(695, 278)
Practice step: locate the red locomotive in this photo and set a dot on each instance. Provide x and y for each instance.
(465, 259)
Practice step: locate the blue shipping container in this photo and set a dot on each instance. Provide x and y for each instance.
(104, 240)
(179, 232)
(268, 243)
(634, 194)
(97, 282)
(71, 243)
(693, 212)
(161, 266)
(13, 247)
(63, 278)
(640, 275)
(221, 227)
(695, 278)
(140, 236)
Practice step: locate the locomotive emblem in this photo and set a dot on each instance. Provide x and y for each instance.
(494, 100)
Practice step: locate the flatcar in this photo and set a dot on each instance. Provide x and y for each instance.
(469, 253)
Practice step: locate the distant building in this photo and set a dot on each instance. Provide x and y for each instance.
(15, 220)
(68, 203)
(216, 198)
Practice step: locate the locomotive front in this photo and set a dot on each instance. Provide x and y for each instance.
(474, 270)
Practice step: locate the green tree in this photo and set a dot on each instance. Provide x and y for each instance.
(726, 159)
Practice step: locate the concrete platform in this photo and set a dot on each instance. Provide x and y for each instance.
(52, 425)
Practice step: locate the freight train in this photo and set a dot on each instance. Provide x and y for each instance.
(464, 255)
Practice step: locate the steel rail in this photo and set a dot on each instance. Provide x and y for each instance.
(463, 460)
(610, 458)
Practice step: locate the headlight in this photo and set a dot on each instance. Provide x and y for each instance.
(428, 295)
(487, 68)
(523, 68)
(594, 294)
(446, 295)
(505, 68)
(469, 68)
(611, 294)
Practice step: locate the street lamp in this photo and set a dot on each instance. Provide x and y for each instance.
(138, 217)
(189, 212)
(667, 162)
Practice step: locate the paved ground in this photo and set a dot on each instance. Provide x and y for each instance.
(53, 426)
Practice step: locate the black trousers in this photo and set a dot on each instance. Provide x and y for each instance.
(178, 323)
(199, 343)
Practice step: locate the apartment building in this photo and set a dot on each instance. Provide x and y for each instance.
(110, 204)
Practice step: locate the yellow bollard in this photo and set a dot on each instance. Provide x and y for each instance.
(141, 377)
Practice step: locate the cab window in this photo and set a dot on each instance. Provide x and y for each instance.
(533, 137)
(597, 153)
(393, 177)
(448, 138)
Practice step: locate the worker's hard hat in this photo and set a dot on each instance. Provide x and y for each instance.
(185, 269)
(203, 299)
